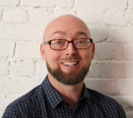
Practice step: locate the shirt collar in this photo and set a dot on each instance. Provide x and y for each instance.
(54, 98)
(52, 95)
(85, 94)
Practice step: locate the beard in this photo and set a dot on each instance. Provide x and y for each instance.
(72, 78)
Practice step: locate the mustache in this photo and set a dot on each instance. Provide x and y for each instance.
(71, 58)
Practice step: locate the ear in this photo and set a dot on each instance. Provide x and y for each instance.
(42, 52)
(93, 50)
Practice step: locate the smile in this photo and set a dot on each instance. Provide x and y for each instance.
(70, 63)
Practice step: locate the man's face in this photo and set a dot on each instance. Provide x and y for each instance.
(68, 66)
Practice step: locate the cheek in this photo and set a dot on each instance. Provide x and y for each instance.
(90, 54)
(86, 55)
(52, 56)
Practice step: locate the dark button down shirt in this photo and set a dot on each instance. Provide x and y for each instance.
(45, 102)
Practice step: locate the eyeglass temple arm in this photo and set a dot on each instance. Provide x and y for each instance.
(91, 40)
(47, 42)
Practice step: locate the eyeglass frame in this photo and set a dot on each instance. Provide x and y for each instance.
(49, 42)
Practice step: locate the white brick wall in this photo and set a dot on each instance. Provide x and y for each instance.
(37, 3)
(9, 2)
(107, 51)
(21, 32)
(15, 15)
(39, 16)
(6, 49)
(22, 23)
(0, 15)
(92, 17)
(101, 4)
(4, 68)
(113, 16)
(128, 53)
(22, 68)
(27, 50)
(121, 35)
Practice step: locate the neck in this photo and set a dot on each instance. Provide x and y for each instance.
(70, 93)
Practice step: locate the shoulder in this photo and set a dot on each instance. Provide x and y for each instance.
(26, 103)
(105, 103)
(97, 97)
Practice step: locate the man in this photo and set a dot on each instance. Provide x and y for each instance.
(68, 50)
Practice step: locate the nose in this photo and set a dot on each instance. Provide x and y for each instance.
(71, 50)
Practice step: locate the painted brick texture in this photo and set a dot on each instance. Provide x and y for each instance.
(22, 23)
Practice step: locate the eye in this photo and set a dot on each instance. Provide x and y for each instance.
(58, 42)
(81, 42)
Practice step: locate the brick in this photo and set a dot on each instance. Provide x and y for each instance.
(111, 70)
(125, 101)
(41, 69)
(39, 16)
(21, 32)
(9, 2)
(6, 49)
(128, 53)
(128, 70)
(101, 4)
(4, 67)
(130, 3)
(98, 34)
(62, 11)
(1, 112)
(116, 18)
(47, 3)
(68, 3)
(105, 86)
(27, 50)
(6, 99)
(15, 16)
(121, 35)
(125, 86)
(23, 68)
(113, 87)
(129, 114)
(89, 74)
(0, 15)
(18, 85)
(93, 17)
(108, 52)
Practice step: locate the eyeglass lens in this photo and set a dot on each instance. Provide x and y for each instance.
(62, 43)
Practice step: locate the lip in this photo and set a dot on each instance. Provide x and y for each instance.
(70, 67)
(70, 63)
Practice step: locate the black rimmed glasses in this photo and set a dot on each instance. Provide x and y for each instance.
(62, 44)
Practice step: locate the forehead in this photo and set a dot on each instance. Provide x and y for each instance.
(66, 26)
(77, 33)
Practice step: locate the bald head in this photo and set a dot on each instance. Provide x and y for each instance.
(65, 24)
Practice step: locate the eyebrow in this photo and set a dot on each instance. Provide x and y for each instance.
(58, 32)
(78, 33)
(81, 33)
